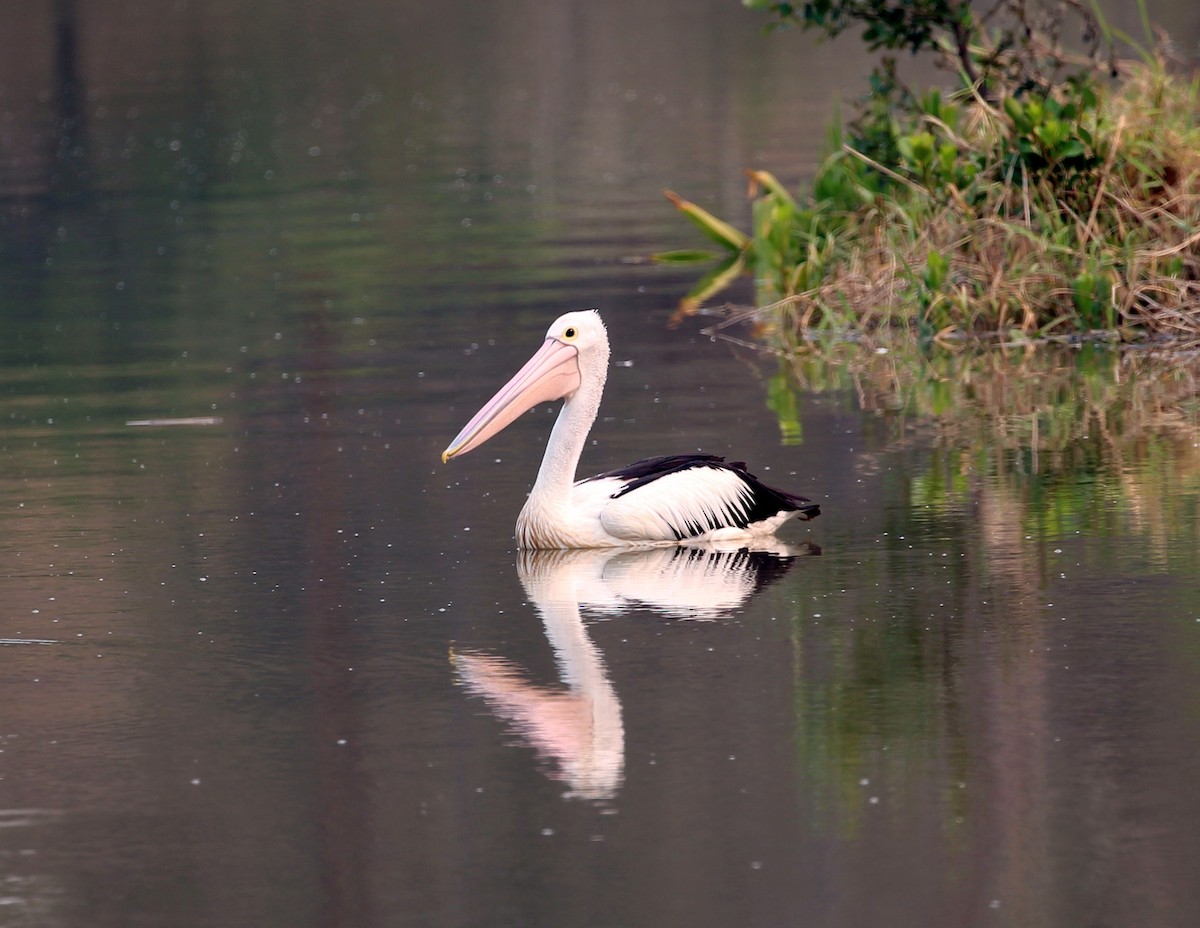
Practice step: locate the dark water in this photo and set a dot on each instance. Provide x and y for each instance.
(277, 665)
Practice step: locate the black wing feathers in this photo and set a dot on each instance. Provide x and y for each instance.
(765, 501)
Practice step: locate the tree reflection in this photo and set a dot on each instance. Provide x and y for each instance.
(981, 662)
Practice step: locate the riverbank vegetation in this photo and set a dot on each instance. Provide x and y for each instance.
(1053, 190)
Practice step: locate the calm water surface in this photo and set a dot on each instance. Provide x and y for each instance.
(277, 665)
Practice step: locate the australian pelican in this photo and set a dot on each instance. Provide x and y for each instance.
(658, 501)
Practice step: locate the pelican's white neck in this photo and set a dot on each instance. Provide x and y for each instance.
(556, 476)
(548, 518)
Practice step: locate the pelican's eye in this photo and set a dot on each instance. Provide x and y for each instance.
(569, 332)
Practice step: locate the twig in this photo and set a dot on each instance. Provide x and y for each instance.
(1104, 175)
(915, 188)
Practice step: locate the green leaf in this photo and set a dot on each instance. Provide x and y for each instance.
(1071, 149)
(936, 268)
(684, 256)
(947, 155)
(718, 230)
(770, 183)
(1016, 112)
(715, 281)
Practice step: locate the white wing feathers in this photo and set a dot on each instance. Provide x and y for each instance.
(679, 505)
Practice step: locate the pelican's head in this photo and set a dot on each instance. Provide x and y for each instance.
(575, 352)
(584, 331)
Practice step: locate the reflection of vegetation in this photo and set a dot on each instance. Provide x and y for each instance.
(1078, 429)
(871, 694)
(994, 460)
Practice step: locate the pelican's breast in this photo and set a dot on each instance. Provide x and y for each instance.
(546, 524)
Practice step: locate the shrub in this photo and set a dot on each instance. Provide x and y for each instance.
(1043, 194)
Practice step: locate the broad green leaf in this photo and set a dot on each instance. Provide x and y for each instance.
(718, 230)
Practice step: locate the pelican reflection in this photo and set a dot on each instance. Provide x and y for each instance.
(577, 725)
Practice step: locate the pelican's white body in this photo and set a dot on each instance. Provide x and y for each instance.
(701, 499)
(589, 514)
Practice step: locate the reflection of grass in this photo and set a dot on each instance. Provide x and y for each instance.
(1000, 457)
(868, 700)
(1025, 399)
(1087, 434)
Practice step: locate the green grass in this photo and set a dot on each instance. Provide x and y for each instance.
(1072, 208)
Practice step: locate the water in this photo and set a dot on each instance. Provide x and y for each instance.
(268, 661)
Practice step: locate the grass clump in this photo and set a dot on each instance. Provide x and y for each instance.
(1051, 193)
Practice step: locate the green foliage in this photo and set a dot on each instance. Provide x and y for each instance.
(913, 25)
(1058, 137)
(1023, 200)
(1091, 294)
(1021, 55)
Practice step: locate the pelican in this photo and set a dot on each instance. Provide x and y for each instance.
(666, 500)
